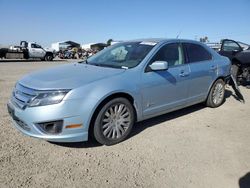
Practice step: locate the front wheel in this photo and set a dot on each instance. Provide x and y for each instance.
(114, 121)
(48, 57)
(216, 95)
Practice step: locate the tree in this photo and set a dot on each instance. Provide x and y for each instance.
(109, 42)
(204, 39)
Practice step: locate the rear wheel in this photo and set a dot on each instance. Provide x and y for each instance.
(114, 121)
(216, 95)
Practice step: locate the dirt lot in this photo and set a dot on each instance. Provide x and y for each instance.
(194, 147)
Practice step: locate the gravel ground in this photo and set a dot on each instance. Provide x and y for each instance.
(193, 147)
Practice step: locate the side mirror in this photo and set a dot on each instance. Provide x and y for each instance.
(159, 65)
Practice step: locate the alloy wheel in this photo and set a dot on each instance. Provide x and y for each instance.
(116, 121)
(218, 93)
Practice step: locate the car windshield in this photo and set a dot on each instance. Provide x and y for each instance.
(122, 55)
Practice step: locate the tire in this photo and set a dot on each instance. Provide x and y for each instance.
(216, 94)
(48, 57)
(235, 72)
(114, 121)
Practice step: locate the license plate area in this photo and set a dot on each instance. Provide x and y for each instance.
(19, 122)
(11, 111)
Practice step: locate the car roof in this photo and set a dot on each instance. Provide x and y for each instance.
(159, 40)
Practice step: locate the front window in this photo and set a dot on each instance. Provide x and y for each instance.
(123, 55)
(35, 46)
(171, 53)
(230, 46)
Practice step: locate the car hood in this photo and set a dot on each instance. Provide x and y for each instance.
(49, 49)
(68, 76)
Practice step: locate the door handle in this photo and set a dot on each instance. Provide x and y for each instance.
(213, 67)
(183, 74)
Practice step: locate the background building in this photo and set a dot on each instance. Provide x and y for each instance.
(64, 45)
(94, 46)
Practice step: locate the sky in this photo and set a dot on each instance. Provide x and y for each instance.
(86, 21)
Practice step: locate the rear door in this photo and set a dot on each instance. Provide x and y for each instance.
(203, 71)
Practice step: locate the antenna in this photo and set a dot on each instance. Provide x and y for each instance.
(179, 34)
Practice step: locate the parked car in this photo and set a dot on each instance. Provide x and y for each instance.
(27, 50)
(125, 83)
(239, 54)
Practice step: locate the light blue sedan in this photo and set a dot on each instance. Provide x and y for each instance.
(125, 83)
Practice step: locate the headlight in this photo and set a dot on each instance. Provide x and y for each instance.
(47, 98)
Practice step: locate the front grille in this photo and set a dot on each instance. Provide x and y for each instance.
(22, 95)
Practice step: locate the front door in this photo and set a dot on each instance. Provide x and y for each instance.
(36, 51)
(166, 90)
(229, 48)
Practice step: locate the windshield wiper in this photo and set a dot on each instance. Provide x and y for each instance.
(86, 61)
(116, 67)
(106, 65)
(124, 67)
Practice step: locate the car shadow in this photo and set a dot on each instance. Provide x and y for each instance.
(244, 182)
(229, 93)
(88, 144)
(141, 126)
(246, 84)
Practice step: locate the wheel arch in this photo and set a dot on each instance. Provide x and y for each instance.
(49, 53)
(210, 87)
(125, 95)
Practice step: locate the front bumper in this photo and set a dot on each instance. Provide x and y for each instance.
(26, 121)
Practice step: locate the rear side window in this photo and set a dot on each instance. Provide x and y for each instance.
(197, 53)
